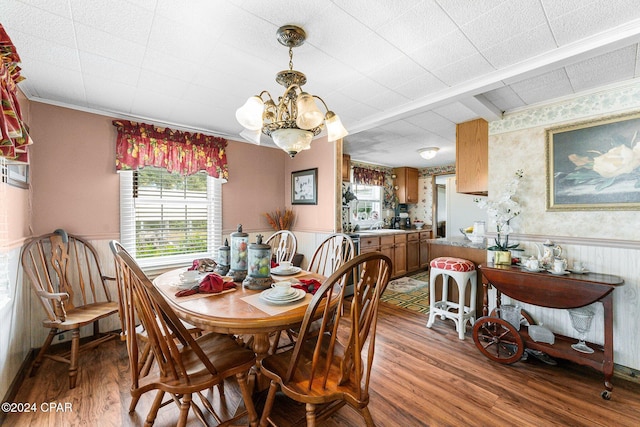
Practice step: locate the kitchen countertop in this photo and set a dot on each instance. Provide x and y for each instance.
(459, 241)
(387, 231)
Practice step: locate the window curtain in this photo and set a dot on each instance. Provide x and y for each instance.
(139, 145)
(14, 136)
(366, 176)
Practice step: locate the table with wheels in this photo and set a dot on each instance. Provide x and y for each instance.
(500, 341)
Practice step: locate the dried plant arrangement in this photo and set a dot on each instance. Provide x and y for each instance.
(280, 219)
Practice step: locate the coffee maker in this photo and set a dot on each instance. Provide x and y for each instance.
(401, 223)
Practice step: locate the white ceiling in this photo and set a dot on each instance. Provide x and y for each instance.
(400, 74)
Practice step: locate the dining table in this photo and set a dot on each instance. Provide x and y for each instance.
(238, 311)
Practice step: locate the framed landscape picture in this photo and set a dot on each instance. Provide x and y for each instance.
(304, 187)
(594, 165)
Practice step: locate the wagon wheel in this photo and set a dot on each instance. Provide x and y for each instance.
(523, 313)
(498, 340)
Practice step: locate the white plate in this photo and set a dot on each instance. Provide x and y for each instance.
(558, 274)
(185, 285)
(583, 271)
(272, 295)
(300, 294)
(288, 272)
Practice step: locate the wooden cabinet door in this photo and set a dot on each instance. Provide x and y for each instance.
(346, 168)
(472, 157)
(413, 252)
(387, 248)
(425, 236)
(369, 244)
(400, 255)
(407, 185)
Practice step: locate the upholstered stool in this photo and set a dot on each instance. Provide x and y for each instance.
(462, 271)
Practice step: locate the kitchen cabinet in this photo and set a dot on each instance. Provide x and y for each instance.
(392, 245)
(424, 238)
(346, 168)
(369, 244)
(472, 157)
(413, 251)
(406, 185)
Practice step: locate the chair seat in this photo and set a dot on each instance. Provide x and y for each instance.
(452, 264)
(84, 315)
(221, 350)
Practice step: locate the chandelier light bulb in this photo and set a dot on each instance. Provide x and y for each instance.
(250, 114)
(309, 115)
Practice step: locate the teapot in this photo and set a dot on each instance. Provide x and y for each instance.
(548, 251)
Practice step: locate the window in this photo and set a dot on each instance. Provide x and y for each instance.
(4, 233)
(367, 207)
(168, 219)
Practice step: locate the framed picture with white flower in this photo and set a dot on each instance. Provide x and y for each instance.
(594, 165)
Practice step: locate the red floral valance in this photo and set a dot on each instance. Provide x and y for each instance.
(367, 176)
(14, 137)
(139, 145)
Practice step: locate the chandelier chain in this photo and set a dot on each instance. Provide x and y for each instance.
(291, 58)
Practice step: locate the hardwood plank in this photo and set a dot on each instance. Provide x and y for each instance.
(422, 377)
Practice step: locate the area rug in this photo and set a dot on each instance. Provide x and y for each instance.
(410, 292)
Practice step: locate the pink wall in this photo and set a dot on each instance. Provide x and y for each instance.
(75, 185)
(320, 217)
(74, 182)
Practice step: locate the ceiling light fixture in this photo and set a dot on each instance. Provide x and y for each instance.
(295, 119)
(428, 153)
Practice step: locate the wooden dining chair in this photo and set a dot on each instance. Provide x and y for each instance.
(185, 364)
(331, 367)
(332, 253)
(129, 323)
(66, 277)
(283, 245)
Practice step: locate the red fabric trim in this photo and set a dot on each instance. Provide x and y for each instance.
(452, 264)
(140, 144)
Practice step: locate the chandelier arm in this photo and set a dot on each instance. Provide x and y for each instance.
(323, 103)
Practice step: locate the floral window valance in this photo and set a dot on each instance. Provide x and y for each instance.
(139, 145)
(14, 137)
(366, 176)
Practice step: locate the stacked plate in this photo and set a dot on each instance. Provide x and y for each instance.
(279, 271)
(273, 296)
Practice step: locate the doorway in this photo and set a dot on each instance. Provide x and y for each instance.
(439, 204)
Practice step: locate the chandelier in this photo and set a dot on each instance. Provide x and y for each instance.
(296, 119)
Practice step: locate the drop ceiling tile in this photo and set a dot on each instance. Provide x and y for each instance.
(59, 7)
(445, 50)
(456, 112)
(504, 98)
(421, 86)
(374, 17)
(538, 88)
(512, 18)
(586, 19)
(152, 81)
(108, 70)
(34, 50)
(109, 95)
(521, 47)
(58, 83)
(38, 23)
(109, 46)
(395, 73)
(465, 69)
(418, 26)
(434, 123)
(609, 68)
(118, 17)
(637, 72)
(464, 11)
(153, 104)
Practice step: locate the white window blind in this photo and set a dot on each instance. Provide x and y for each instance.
(167, 219)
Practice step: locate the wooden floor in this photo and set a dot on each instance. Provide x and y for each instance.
(423, 377)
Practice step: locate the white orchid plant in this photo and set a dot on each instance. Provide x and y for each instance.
(502, 210)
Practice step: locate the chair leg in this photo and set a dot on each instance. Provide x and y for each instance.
(184, 410)
(75, 349)
(43, 350)
(153, 412)
(247, 397)
(311, 415)
(367, 417)
(268, 404)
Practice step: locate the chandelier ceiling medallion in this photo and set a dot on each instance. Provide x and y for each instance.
(295, 119)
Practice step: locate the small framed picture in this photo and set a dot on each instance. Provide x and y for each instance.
(304, 187)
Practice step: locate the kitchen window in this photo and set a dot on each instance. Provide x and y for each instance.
(366, 211)
(167, 219)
